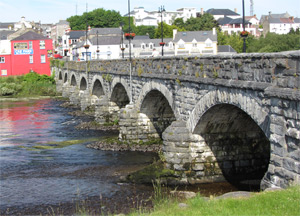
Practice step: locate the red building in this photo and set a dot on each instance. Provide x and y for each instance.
(29, 52)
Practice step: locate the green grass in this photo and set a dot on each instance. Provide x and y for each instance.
(285, 202)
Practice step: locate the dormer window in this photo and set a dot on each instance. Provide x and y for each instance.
(194, 42)
(208, 43)
(143, 46)
(181, 44)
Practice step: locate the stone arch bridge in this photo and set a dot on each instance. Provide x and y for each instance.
(224, 117)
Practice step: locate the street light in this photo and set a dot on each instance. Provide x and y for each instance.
(244, 38)
(130, 76)
(122, 48)
(161, 9)
(97, 51)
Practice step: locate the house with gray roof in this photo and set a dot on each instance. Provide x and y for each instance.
(195, 42)
(279, 23)
(222, 13)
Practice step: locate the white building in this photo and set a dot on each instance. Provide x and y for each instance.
(143, 17)
(279, 23)
(195, 42)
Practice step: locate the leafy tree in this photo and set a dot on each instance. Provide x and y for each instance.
(168, 30)
(179, 22)
(145, 30)
(98, 18)
(203, 23)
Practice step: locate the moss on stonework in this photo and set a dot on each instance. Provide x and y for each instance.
(150, 173)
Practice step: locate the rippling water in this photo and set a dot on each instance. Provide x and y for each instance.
(34, 176)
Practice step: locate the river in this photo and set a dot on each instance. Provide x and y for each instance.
(46, 168)
(40, 176)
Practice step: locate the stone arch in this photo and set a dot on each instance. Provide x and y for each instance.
(60, 75)
(119, 95)
(73, 80)
(66, 78)
(83, 84)
(98, 86)
(234, 97)
(118, 80)
(150, 86)
(232, 141)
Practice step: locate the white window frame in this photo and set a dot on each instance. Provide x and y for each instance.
(30, 45)
(42, 44)
(30, 59)
(4, 72)
(2, 60)
(43, 59)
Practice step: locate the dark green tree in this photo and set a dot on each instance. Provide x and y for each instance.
(205, 22)
(168, 30)
(179, 22)
(145, 30)
(98, 18)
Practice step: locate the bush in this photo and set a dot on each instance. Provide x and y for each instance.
(31, 84)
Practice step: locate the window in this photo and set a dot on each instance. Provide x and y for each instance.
(31, 59)
(194, 44)
(208, 43)
(43, 59)
(42, 44)
(143, 46)
(30, 44)
(4, 72)
(2, 59)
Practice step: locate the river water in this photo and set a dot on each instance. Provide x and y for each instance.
(38, 177)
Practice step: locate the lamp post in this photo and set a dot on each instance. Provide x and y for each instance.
(244, 38)
(130, 76)
(122, 39)
(161, 9)
(97, 51)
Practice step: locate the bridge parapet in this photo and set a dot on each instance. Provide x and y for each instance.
(277, 69)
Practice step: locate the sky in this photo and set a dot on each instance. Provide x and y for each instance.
(51, 11)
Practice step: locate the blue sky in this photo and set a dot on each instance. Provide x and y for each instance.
(51, 11)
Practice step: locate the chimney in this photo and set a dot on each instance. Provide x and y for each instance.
(235, 10)
(174, 33)
(214, 31)
(202, 11)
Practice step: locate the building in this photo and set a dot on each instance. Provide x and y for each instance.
(26, 53)
(195, 42)
(279, 23)
(152, 18)
(222, 13)
(57, 31)
(235, 26)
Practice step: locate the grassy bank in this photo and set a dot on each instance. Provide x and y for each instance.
(284, 202)
(31, 84)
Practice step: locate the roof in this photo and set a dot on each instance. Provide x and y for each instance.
(105, 31)
(148, 41)
(6, 25)
(189, 36)
(4, 34)
(30, 35)
(225, 12)
(225, 49)
(238, 21)
(141, 37)
(224, 21)
(76, 34)
(106, 40)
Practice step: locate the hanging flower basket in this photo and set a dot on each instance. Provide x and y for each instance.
(86, 46)
(129, 35)
(162, 43)
(122, 48)
(97, 51)
(244, 34)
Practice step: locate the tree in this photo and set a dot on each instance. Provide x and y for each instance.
(205, 22)
(179, 22)
(98, 18)
(145, 30)
(168, 30)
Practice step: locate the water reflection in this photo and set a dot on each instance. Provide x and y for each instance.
(34, 176)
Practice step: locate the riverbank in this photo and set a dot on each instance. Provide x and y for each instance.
(269, 202)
